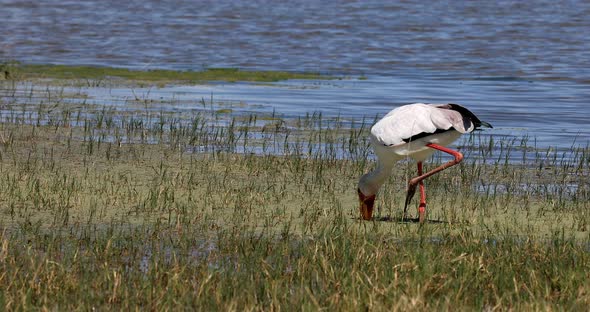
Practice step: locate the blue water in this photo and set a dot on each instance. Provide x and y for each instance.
(521, 65)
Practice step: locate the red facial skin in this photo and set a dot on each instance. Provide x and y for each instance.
(367, 203)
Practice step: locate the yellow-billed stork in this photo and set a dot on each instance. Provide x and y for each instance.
(415, 131)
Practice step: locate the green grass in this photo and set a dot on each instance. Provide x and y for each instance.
(111, 209)
(31, 71)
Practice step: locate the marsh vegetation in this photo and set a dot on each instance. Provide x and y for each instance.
(104, 207)
(97, 74)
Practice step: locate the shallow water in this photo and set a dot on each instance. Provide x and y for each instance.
(522, 66)
(357, 99)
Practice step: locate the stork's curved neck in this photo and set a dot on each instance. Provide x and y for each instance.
(370, 183)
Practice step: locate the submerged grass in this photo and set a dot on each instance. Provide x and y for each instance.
(96, 73)
(112, 209)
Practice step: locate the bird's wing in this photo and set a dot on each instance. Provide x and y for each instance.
(411, 122)
(406, 122)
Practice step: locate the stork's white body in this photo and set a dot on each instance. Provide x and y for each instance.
(405, 132)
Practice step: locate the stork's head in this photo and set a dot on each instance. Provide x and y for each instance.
(367, 203)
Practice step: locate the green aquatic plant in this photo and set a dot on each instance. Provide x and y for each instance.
(95, 74)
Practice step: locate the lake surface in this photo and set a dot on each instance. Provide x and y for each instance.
(523, 66)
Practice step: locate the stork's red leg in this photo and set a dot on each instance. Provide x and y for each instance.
(418, 180)
(422, 206)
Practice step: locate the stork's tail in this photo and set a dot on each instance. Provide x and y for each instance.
(483, 124)
(467, 114)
